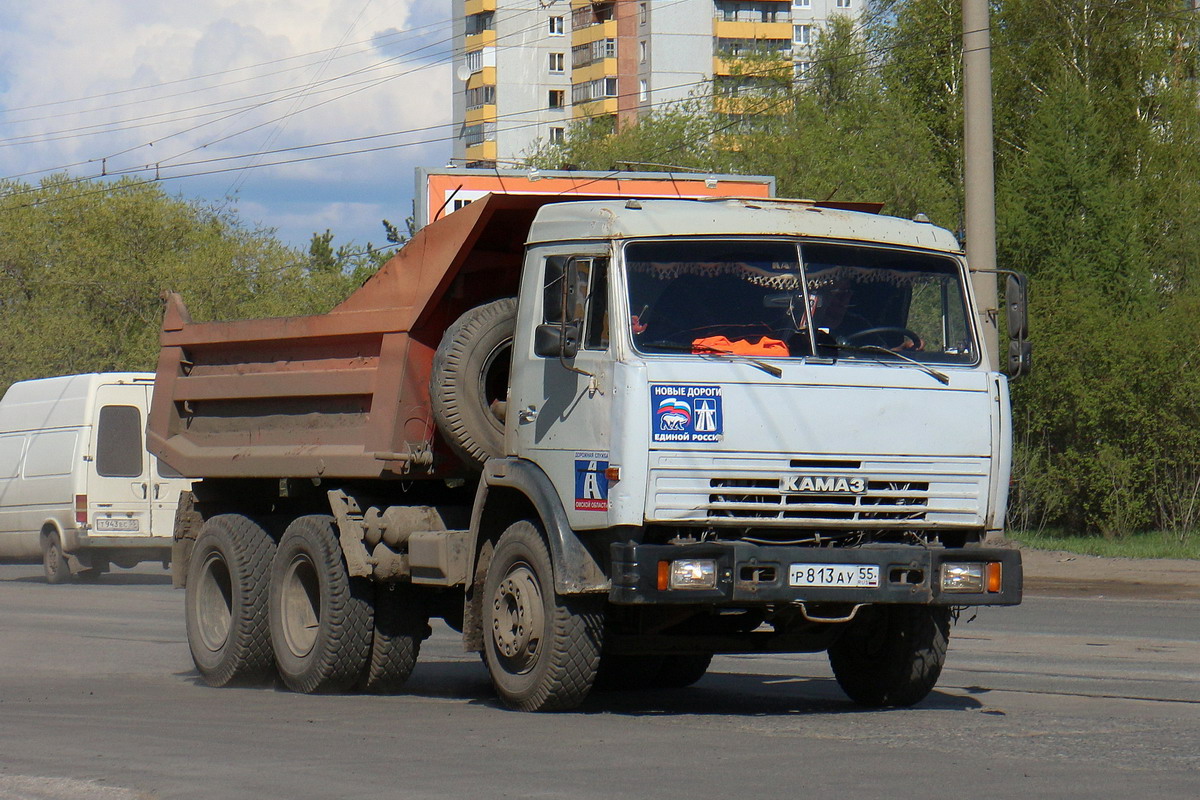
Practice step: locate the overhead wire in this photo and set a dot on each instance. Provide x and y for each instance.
(866, 53)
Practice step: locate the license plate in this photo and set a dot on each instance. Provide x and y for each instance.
(850, 576)
(120, 525)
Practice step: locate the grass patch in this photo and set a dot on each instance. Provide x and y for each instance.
(1155, 544)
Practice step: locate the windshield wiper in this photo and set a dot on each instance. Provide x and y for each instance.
(770, 369)
(875, 348)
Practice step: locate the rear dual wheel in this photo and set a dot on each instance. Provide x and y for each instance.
(226, 601)
(320, 618)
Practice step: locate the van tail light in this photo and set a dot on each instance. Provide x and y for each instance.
(81, 509)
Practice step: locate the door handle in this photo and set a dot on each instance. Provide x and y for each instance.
(527, 414)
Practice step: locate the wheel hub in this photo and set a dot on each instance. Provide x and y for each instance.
(517, 618)
(300, 606)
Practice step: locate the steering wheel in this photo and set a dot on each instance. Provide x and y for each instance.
(886, 329)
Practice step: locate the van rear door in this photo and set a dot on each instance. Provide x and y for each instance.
(119, 480)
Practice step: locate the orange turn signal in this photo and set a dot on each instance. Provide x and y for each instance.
(664, 575)
(994, 576)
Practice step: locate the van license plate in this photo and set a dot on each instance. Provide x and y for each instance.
(850, 576)
(125, 525)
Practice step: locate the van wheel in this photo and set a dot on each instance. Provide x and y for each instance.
(320, 617)
(401, 624)
(54, 562)
(891, 655)
(541, 649)
(469, 384)
(226, 602)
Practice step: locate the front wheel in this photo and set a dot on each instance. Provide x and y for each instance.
(891, 655)
(541, 649)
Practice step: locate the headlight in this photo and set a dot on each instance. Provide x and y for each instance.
(963, 577)
(688, 573)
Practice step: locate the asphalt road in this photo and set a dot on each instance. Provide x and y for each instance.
(1061, 697)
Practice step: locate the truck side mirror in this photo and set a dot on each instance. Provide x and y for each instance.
(1017, 305)
(556, 340)
(1016, 301)
(559, 338)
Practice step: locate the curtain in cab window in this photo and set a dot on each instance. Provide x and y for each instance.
(119, 442)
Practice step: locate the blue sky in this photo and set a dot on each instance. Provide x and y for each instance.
(229, 88)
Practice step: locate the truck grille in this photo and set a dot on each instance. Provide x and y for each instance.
(894, 493)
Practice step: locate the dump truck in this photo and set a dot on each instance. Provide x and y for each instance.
(605, 440)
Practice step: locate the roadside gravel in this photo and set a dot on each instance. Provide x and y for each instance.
(1057, 574)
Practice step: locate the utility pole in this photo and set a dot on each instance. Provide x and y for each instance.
(978, 176)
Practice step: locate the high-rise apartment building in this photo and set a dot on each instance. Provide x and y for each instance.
(526, 69)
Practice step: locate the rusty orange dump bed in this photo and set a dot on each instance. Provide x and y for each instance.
(341, 394)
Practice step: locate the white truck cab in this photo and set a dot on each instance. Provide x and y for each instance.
(77, 486)
(828, 377)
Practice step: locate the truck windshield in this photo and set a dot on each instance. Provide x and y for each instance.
(779, 299)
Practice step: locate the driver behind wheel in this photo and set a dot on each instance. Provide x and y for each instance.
(836, 315)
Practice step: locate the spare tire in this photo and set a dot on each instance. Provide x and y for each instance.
(469, 385)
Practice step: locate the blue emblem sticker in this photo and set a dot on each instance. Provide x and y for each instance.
(686, 413)
(591, 482)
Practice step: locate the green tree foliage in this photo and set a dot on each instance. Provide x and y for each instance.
(83, 266)
(1098, 193)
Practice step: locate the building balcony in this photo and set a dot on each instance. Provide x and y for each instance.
(603, 30)
(605, 68)
(485, 77)
(730, 65)
(479, 6)
(480, 114)
(752, 30)
(750, 105)
(595, 108)
(478, 41)
(484, 151)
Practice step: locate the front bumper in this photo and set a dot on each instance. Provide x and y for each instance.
(758, 574)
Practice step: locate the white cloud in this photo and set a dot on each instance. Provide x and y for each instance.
(120, 82)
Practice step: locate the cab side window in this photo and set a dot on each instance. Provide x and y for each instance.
(119, 442)
(586, 297)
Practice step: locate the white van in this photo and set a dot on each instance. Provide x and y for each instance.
(77, 486)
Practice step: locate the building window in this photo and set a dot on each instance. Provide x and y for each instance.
(475, 60)
(593, 90)
(643, 13)
(842, 4)
(479, 133)
(556, 98)
(584, 54)
(481, 96)
(804, 3)
(801, 68)
(643, 90)
(556, 63)
(642, 52)
(478, 23)
(802, 34)
(556, 26)
(557, 135)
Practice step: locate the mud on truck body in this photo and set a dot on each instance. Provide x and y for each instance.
(605, 440)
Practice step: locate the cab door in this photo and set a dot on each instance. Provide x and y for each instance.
(563, 406)
(119, 485)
